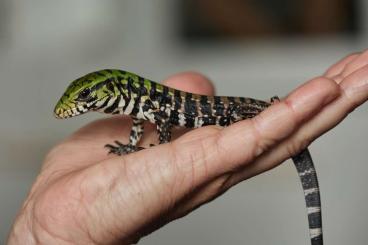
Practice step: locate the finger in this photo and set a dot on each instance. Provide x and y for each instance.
(338, 67)
(215, 187)
(279, 121)
(191, 82)
(210, 152)
(159, 183)
(354, 92)
(270, 159)
(354, 65)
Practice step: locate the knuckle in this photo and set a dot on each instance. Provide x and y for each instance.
(261, 143)
(297, 145)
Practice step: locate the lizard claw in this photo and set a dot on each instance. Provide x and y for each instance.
(122, 149)
(275, 99)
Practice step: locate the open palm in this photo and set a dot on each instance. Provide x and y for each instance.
(84, 195)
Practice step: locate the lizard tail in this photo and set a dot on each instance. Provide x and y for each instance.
(307, 173)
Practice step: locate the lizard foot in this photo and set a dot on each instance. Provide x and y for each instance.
(122, 149)
(275, 99)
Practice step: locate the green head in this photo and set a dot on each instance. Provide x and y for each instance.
(84, 93)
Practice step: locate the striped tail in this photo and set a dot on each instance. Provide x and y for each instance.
(307, 173)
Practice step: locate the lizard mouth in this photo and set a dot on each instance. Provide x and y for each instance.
(61, 113)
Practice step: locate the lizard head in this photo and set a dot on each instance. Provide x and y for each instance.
(84, 93)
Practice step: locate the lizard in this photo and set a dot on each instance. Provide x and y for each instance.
(113, 91)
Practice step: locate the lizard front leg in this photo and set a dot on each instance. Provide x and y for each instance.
(135, 135)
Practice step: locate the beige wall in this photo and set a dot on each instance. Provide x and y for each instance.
(44, 44)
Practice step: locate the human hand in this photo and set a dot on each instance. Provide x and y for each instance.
(82, 195)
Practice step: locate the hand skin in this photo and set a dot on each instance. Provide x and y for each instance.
(82, 195)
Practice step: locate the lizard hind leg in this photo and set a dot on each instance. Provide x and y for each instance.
(164, 132)
(135, 135)
(163, 126)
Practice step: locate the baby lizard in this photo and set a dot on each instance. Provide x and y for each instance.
(120, 92)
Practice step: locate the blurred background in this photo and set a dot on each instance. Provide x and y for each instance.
(247, 47)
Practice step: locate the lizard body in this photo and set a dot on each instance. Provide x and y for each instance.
(120, 92)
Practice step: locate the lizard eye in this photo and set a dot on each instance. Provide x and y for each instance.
(84, 94)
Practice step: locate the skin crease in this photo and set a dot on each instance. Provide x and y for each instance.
(82, 194)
